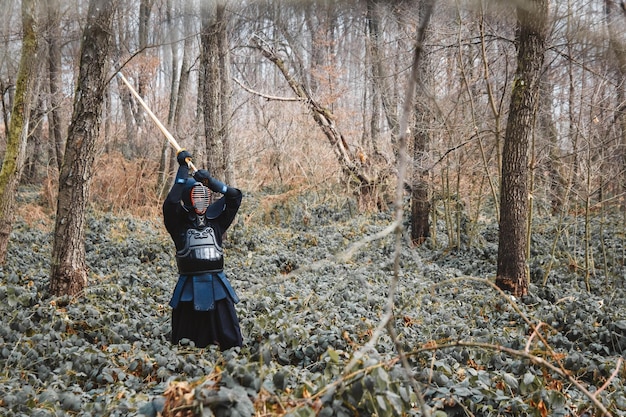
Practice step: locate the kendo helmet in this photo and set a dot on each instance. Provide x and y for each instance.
(196, 197)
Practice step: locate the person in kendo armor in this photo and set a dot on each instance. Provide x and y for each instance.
(203, 301)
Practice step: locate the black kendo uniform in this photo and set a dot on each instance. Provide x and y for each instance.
(203, 300)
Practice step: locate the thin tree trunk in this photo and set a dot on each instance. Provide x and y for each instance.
(69, 272)
(126, 102)
(183, 83)
(381, 85)
(574, 84)
(494, 106)
(511, 271)
(421, 184)
(130, 110)
(55, 120)
(555, 188)
(200, 132)
(181, 70)
(36, 152)
(371, 103)
(180, 77)
(15, 153)
(615, 21)
(145, 10)
(420, 187)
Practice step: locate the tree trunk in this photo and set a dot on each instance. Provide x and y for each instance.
(216, 94)
(421, 183)
(126, 101)
(383, 90)
(199, 131)
(556, 183)
(15, 153)
(617, 42)
(145, 10)
(179, 88)
(210, 66)
(54, 76)
(36, 152)
(420, 197)
(511, 271)
(223, 51)
(69, 272)
(372, 109)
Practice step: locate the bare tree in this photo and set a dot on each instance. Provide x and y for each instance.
(511, 270)
(216, 92)
(69, 272)
(181, 69)
(211, 88)
(145, 67)
(616, 18)
(53, 37)
(421, 183)
(132, 34)
(223, 48)
(15, 153)
(382, 93)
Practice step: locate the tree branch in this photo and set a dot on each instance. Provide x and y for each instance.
(266, 96)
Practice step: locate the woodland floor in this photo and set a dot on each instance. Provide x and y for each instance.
(310, 300)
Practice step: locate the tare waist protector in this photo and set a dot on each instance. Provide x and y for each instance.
(201, 252)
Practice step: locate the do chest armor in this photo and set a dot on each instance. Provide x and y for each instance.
(201, 253)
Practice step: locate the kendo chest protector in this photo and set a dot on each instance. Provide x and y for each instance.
(201, 252)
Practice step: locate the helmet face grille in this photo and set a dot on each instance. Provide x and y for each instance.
(200, 198)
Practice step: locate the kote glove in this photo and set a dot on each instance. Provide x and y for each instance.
(183, 157)
(203, 176)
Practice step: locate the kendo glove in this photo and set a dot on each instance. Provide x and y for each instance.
(203, 176)
(183, 157)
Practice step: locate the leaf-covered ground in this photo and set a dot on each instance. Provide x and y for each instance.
(311, 307)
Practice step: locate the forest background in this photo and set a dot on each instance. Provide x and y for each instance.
(301, 95)
(289, 98)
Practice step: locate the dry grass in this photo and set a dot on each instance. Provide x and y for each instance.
(36, 216)
(280, 146)
(122, 185)
(119, 185)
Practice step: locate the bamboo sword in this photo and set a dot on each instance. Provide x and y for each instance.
(167, 134)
